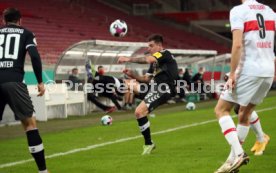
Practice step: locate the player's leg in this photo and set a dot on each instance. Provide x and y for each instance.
(114, 99)
(128, 100)
(143, 122)
(91, 97)
(255, 123)
(242, 130)
(256, 126)
(21, 104)
(35, 143)
(244, 123)
(152, 100)
(228, 127)
(144, 126)
(2, 106)
(251, 92)
(134, 88)
(262, 138)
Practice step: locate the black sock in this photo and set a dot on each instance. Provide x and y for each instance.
(130, 104)
(144, 126)
(36, 148)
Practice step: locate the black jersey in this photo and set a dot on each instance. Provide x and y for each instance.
(165, 69)
(14, 43)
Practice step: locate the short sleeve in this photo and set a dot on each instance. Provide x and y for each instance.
(30, 40)
(236, 20)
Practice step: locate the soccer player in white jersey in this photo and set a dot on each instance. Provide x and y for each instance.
(251, 75)
(262, 139)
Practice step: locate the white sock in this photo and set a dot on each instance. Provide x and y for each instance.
(231, 156)
(255, 124)
(45, 171)
(230, 133)
(242, 132)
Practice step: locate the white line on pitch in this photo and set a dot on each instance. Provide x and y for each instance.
(117, 141)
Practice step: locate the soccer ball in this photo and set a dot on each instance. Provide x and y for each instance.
(190, 106)
(106, 120)
(118, 28)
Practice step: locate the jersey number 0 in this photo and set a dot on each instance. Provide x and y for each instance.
(12, 41)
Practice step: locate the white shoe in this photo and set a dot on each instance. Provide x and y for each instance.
(147, 149)
(225, 167)
(242, 159)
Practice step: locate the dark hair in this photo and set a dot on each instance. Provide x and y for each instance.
(75, 69)
(156, 38)
(11, 15)
(100, 67)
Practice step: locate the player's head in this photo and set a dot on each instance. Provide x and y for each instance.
(201, 70)
(101, 70)
(155, 43)
(11, 15)
(75, 71)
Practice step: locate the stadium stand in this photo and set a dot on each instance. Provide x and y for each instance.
(59, 24)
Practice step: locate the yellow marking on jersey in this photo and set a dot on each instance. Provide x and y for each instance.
(157, 55)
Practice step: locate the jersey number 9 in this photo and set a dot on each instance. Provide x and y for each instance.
(261, 24)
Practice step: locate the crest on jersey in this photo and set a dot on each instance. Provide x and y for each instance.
(157, 55)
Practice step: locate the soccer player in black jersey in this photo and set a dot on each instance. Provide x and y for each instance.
(165, 72)
(15, 41)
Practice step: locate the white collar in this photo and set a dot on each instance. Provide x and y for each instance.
(248, 1)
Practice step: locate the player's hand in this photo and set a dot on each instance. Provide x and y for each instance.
(231, 82)
(123, 59)
(41, 89)
(128, 72)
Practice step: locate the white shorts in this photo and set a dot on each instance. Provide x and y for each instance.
(249, 89)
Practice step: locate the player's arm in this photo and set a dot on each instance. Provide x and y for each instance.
(142, 60)
(37, 67)
(36, 61)
(144, 79)
(237, 28)
(236, 52)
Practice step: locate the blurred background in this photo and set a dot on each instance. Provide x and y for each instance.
(71, 32)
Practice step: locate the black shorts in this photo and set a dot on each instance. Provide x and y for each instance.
(17, 96)
(143, 91)
(157, 95)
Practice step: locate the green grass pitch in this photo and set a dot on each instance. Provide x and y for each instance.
(187, 142)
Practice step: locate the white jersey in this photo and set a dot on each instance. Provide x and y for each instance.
(257, 21)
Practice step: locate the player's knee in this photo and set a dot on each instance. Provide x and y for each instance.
(29, 124)
(217, 111)
(243, 119)
(244, 116)
(140, 112)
